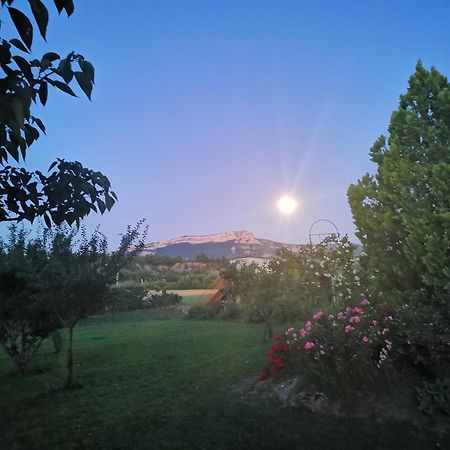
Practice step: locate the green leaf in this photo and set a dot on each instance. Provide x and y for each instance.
(85, 83)
(101, 206)
(57, 216)
(31, 134)
(23, 26)
(53, 164)
(51, 56)
(43, 92)
(39, 123)
(109, 202)
(59, 5)
(88, 69)
(13, 149)
(5, 54)
(63, 87)
(65, 70)
(40, 14)
(64, 4)
(48, 220)
(24, 66)
(18, 44)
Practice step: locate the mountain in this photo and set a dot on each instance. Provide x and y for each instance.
(234, 244)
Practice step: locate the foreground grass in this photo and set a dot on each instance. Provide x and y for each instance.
(150, 383)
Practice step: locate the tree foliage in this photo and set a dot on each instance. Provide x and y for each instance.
(71, 191)
(402, 213)
(25, 320)
(318, 275)
(323, 273)
(53, 281)
(78, 276)
(259, 290)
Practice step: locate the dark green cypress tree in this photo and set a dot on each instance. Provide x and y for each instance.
(402, 213)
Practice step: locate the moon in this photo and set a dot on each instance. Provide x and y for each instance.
(287, 205)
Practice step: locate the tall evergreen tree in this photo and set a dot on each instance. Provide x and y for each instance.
(402, 213)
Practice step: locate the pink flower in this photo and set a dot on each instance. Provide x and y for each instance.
(358, 310)
(365, 339)
(309, 345)
(331, 317)
(341, 316)
(348, 309)
(354, 319)
(318, 315)
(309, 324)
(365, 302)
(303, 333)
(348, 328)
(374, 322)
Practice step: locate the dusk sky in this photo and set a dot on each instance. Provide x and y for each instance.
(206, 111)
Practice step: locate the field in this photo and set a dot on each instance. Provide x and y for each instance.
(192, 296)
(153, 381)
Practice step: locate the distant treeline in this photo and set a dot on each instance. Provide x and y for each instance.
(162, 272)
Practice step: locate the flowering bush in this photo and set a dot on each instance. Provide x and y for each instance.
(348, 348)
(277, 356)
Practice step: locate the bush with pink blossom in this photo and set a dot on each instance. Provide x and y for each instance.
(350, 348)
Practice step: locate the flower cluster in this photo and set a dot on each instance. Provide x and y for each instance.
(276, 355)
(359, 333)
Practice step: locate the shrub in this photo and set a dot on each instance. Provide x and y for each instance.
(344, 350)
(422, 336)
(205, 311)
(434, 397)
(163, 300)
(126, 298)
(230, 311)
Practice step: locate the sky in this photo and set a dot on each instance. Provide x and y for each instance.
(205, 112)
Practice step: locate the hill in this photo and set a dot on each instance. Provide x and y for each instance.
(235, 244)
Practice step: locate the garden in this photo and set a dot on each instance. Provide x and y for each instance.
(324, 346)
(151, 379)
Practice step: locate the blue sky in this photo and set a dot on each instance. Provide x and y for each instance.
(204, 112)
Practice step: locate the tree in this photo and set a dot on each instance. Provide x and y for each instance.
(52, 282)
(259, 289)
(77, 279)
(402, 213)
(321, 274)
(71, 191)
(25, 319)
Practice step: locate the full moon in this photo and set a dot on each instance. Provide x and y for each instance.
(287, 205)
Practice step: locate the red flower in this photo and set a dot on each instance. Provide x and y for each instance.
(263, 375)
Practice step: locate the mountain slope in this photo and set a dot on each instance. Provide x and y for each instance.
(233, 244)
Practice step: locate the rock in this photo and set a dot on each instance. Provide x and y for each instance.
(313, 401)
(286, 391)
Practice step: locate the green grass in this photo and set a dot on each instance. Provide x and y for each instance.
(193, 299)
(153, 381)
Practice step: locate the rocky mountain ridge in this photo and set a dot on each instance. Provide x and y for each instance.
(234, 244)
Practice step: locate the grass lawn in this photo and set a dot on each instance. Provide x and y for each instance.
(193, 299)
(155, 382)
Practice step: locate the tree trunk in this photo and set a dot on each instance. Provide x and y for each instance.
(69, 379)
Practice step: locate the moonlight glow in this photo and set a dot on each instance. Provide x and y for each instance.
(287, 205)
